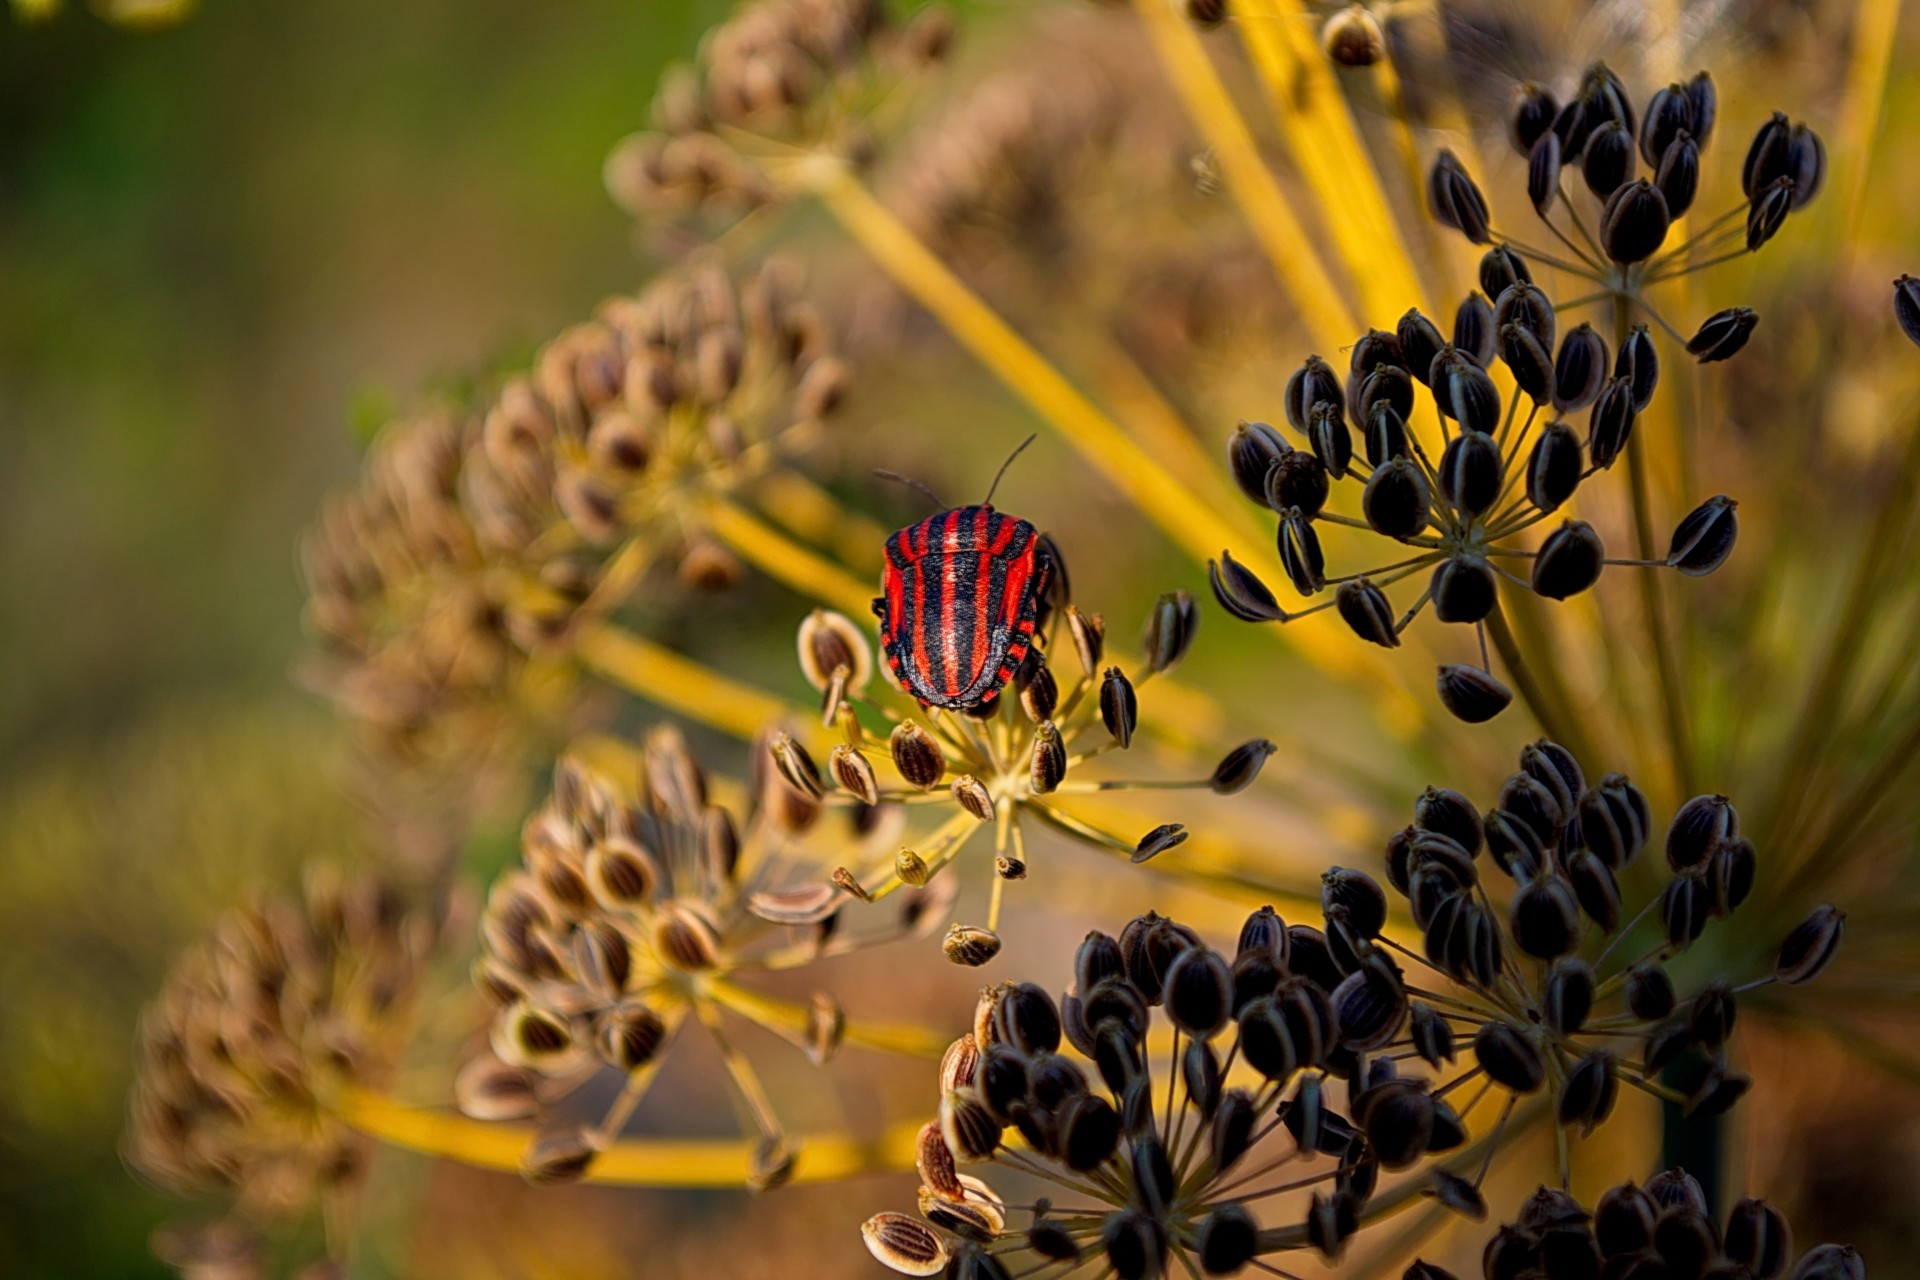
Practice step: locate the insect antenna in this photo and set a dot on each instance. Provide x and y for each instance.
(911, 483)
(1018, 450)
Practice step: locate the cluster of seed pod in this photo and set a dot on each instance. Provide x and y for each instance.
(1665, 1228)
(1145, 1183)
(255, 1033)
(633, 907)
(1012, 759)
(1522, 983)
(1626, 250)
(784, 72)
(1462, 514)
(446, 583)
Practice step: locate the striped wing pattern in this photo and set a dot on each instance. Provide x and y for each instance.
(960, 594)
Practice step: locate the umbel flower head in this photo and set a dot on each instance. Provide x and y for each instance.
(633, 908)
(1462, 518)
(256, 1031)
(1221, 1150)
(448, 589)
(1009, 760)
(1665, 1228)
(779, 80)
(1526, 985)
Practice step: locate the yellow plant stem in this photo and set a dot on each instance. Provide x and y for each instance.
(780, 557)
(1874, 24)
(769, 1011)
(628, 1162)
(1288, 245)
(1187, 519)
(1323, 140)
(680, 684)
(809, 511)
(1386, 78)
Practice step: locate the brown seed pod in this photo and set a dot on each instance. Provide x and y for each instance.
(970, 945)
(972, 795)
(916, 755)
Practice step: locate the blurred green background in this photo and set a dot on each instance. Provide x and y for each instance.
(226, 249)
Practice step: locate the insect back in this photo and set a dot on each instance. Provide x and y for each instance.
(960, 597)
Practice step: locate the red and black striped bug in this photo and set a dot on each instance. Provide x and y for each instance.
(960, 596)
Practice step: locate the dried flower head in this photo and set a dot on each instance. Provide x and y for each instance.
(255, 1034)
(1665, 1228)
(779, 78)
(1234, 1154)
(638, 902)
(446, 588)
(1012, 759)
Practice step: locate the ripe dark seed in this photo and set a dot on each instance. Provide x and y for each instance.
(1119, 705)
(1731, 875)
(1605, 98)
(1704, 102)
(1232, 1129)
(1133, 1241)
(1649, 992)
(1386, 433)
(1364, 608)
(1554, 767)
(1571, 126)
(1376, 349)
(1639, 363)
(1396, 501)
(1757, 1238)
(1524, 304)
(1516, 847)
(1420, 342)
(1471, 694)
(1398, 1121)
(1329, 437)
(1634, 223)
(1464, 589)
(1697, 831)
(1703, 541)
(1569, 561)
(1614, 820)
(1554, 467)
(1241, 766)
(1470, 472)
(1473, 329)
(1097, 959)
(1530, 362)
(1463, 391)
(1028, 1020)
(1590, 1091)
(1532, 116)
(1052, 1241)
(1388, 387)
(1543, 172)
(1370, 1007)
(1722, 334)
(1226, 1239)
(1170, 629)
(1450, 814)
(1300, 554)
(1608, 161)
(1684, 910)
(1312, 383)
(1298, 480)
(1240, 593)
(1544, 920)
(1199, 992)
(1508, 1058)
(1906, 306)
(1714, 1010)
(1363, 899)
(1610, 423)
(1252, 451)
(1810, 947)
(1159, 840)
(1678, 174)
(1500, 268)
(1596, 889)
(1431, 1034)
(1768, 212)
(1569, 995)
(1455, 200)
(1830, 1262)
(1580, 370)
(1669, 114)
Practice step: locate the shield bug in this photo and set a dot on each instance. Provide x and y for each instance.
(959, 598)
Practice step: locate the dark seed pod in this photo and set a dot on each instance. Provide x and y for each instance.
(1569, 995)
(1097, 959)
(1252, 451)
(1780, 151)
(1460, 1196)
(1810, 947)
(1266, 1042)
(1639, 363)
(1456, 201)
(1587, 1098)
(1119, 705)
(1464, 589)
(1704, 539)
(1199, 992)
(1572, 126)
(1730, 875)
(1386, 433)
(1200, 1071)
(1364, 607)
(1649, 992)
(1388, 387)
(1450, 814)
(1768, 212)
(1508, 1058)
(1501, 268)
(1608, 161)
(1027, 1019)
(1471, 694)
(1614, 820)
(1420, 342)
(1623, 1221)
(1470, 472)
(1610, 423)
(1669, 114)
(1544, 918)
(1830, 1262)
(1232, 1130)
(1240, 592)
(1332, 442)
(1330, 1221)
(1265, 934)
(1580, 370)
(1714, 1011)
(1312, 383)
(1298, 481)
(1595, 888)
(1370, 1006)
(1397, 1117)
(1569, 561)
(1509, 1255)
(1396, 501)
(1718, 1093)
(1049, 763)
(1758, 1239)
(1678, 174)
(1053, 1242)
(1001, 1081)
(971, 1131)
(1473, 330)
(1431, 1034)
(1364, 901)
(1685, 1241)
(1170, 629)
(1605, 98)
(1134, 1243)
(1555, 768)
(1634, 223)
(1543, 172)
(1697, 831)
(1906, 306)
(1376, 349)
(1685, 905)
(1300, 554)
(1554, 467)
(1704, 103)
(1241, 766)
(1531, 117)
(1089, 1131)
(1517, 848)
(1722, 334)
(1530, 362)
(1226, 1239)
